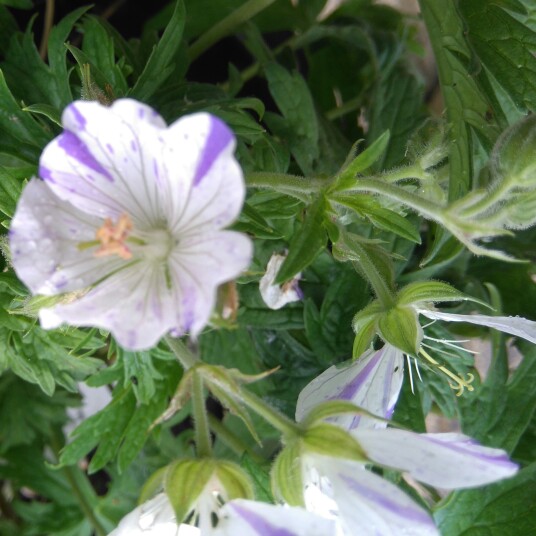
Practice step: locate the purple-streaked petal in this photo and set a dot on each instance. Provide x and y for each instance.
(152, 518)
(372, 382)
(251, 518)
(103, 163)
(206, 184)
(513, 325)
(149, 298)
(277, 296)
(135, 304)
(446, 461)
(45, 235)
(198, 265)
(369, 504)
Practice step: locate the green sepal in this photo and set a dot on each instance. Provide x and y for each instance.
(433, 292)
(33, 304)
(330, 440)
(429, 291)
(364, 336)
(400, 327)
(286, 475)
(332, 408)
(236, 482)
(153, 485)
(362, 162)
(184, 481)
(306, 244)
(368, 313)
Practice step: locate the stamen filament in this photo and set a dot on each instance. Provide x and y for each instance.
(448, 342)
(410, 374)
(460, 383)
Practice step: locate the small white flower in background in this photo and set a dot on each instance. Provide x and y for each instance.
(277, 296)
(373, 382)
(238, 517)
(130, 213)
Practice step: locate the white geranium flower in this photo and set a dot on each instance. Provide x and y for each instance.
(237, 517)
(364, 503)
(372, 382)
(277, 296)
(128, 219)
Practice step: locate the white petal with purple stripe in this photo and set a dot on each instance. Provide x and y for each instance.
(369, 504)
(513, 325)
(446, 461)
(372, 382)
(251, 518)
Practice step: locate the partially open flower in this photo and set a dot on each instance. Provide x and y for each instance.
(372, 382)
(133, 210)
(277, 296)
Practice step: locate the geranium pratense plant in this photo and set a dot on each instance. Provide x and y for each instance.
(128, 219)
(277, 191)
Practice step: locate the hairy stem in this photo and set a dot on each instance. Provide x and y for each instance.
(279, 421)
(183, 355)
(202, 433)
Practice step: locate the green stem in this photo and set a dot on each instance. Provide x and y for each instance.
(81, 487)
(496, 195)
(279, 421)
(274, 417)
(231, 440)
(349, 106)
(414, 171)
(227, 25)
(299, 187)
(430, 209)
(47, 26)
(381, 288)
(183, 355)
(202, 433)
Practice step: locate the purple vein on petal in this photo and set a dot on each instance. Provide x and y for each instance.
(412, 514)
(46, 174)
(351, 389)
(79, 117)
(493, 456)
(259, 524)
(77, 150)
(219, 137)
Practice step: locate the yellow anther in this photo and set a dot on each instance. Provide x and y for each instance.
(112, 237)
(460, 384)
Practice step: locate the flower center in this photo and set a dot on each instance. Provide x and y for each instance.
(112, 237)
(157, 244)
